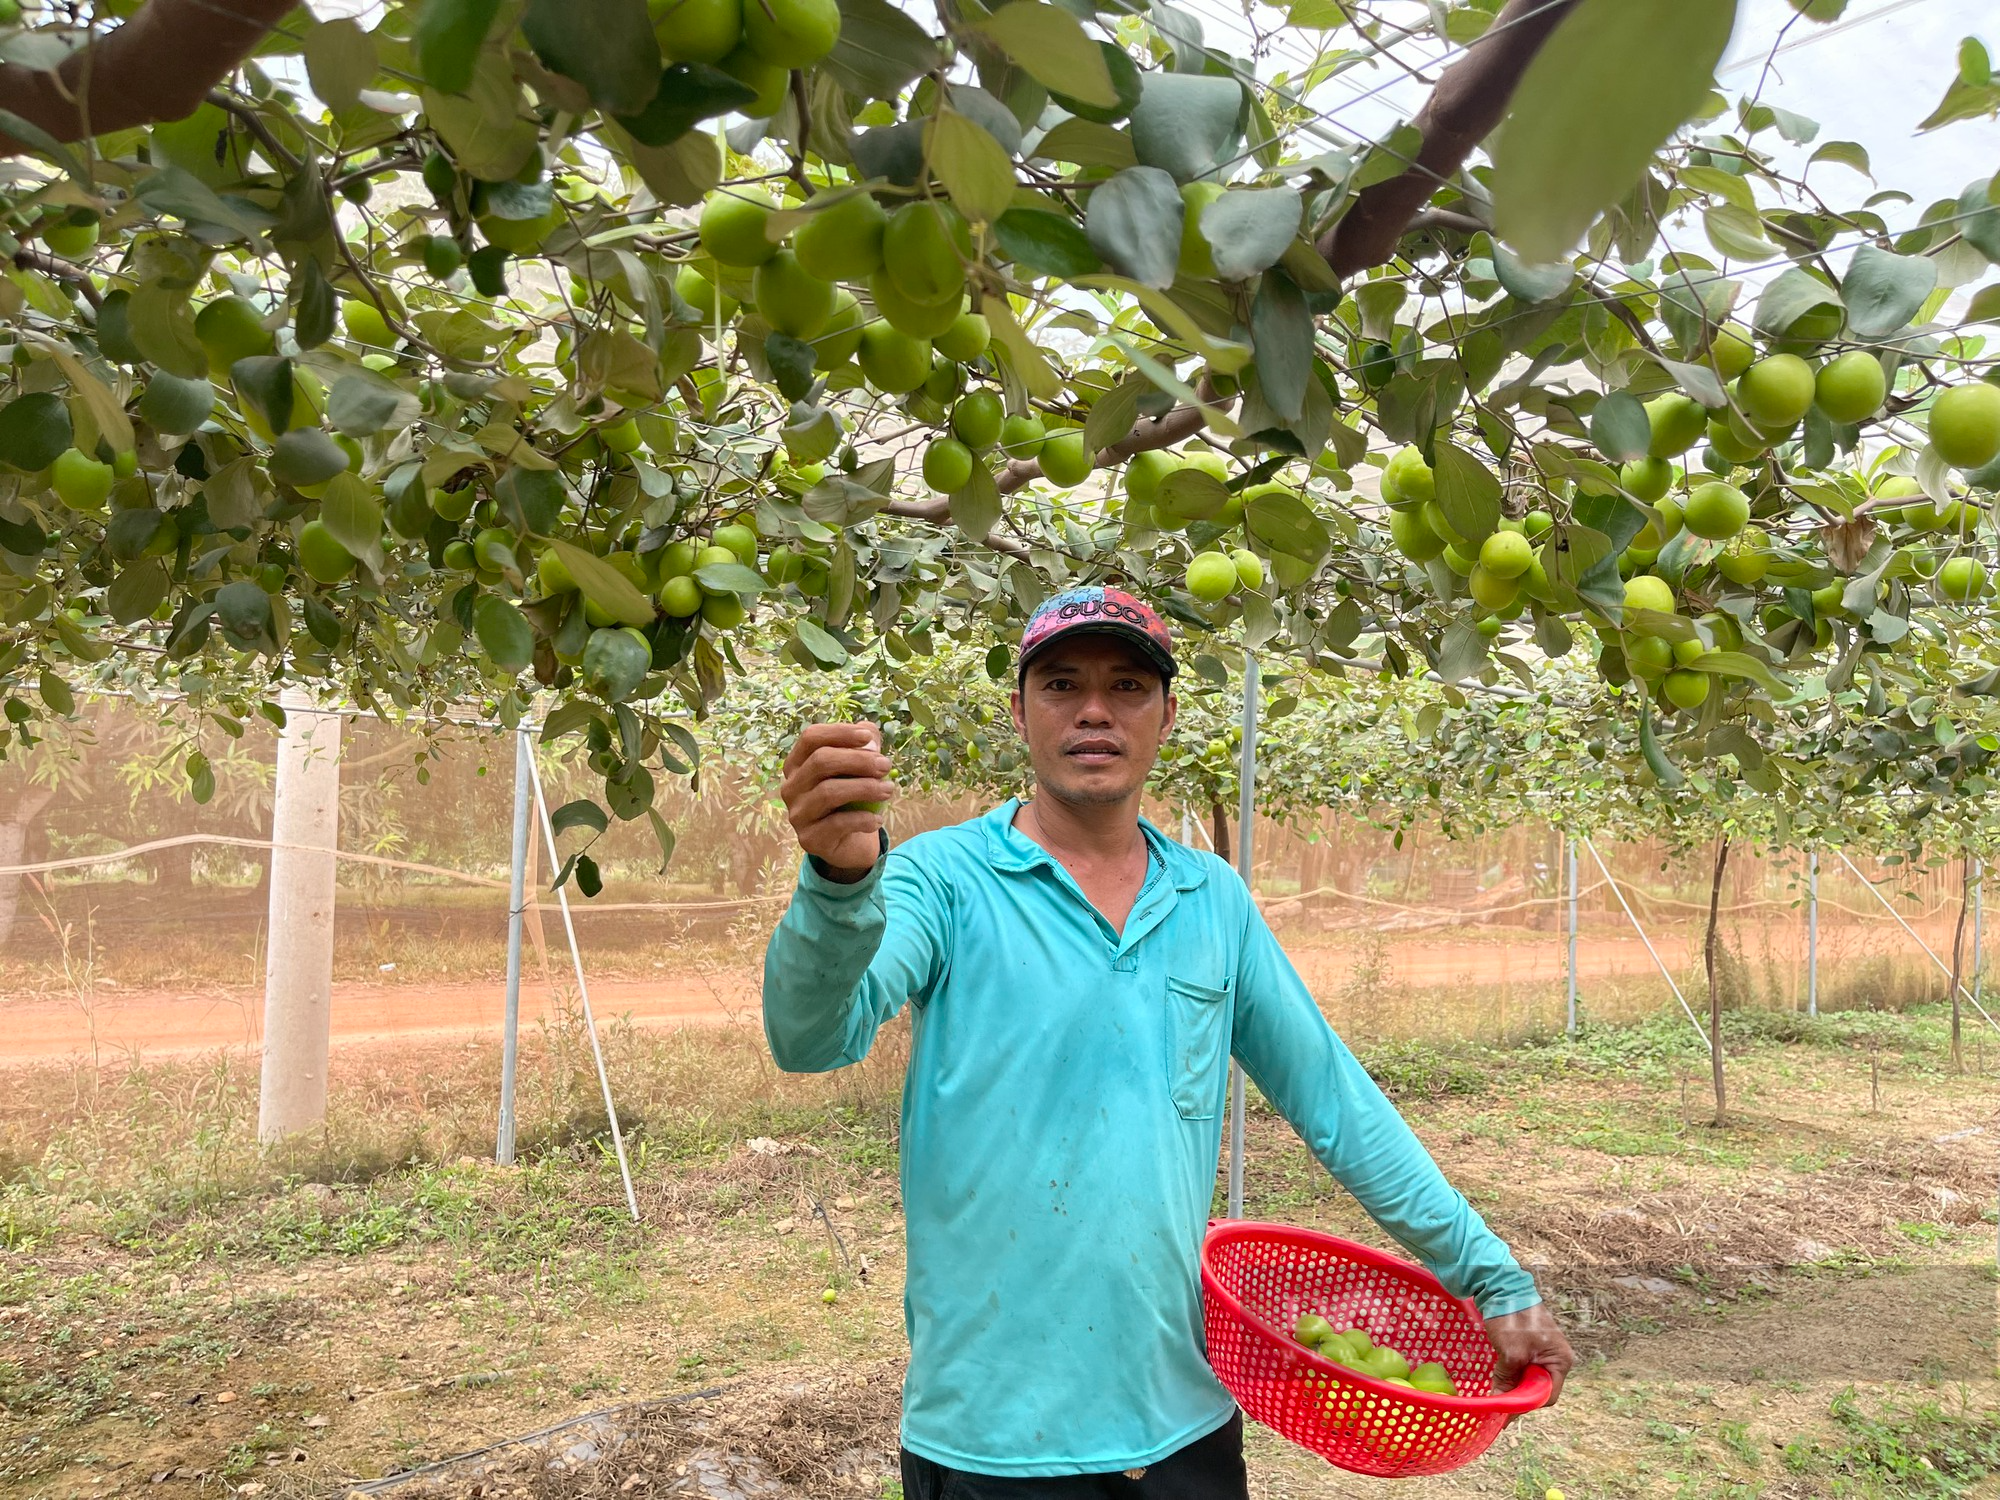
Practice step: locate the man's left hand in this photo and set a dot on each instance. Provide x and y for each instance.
(1530, 1337)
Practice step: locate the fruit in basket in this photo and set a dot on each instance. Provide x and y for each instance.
(1312, 1330)
(1433, 1377)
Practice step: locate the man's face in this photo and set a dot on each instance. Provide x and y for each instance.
(1094, 713)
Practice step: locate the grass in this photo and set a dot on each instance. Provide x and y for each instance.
(151, 1252)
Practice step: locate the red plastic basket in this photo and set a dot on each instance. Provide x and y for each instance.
(1256, 1281)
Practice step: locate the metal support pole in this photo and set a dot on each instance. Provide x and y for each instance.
(1943, 967)
(1812, 933)
(517, 881)
(1665, 972)
(583, 989)
(1246, 820)
(1569, 846)
(1978, 944)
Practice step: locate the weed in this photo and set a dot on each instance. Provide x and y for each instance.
(1919, 1450)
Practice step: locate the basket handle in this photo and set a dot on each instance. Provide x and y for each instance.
(1531, 1391)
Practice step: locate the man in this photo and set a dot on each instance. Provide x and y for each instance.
(1080, 983)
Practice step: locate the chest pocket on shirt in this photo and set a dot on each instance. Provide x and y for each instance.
(1197, 1037)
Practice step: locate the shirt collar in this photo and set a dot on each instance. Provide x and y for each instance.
(1010, 850)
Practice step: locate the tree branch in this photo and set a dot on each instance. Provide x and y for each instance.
(157, 66)
(1155, 432)
(1470, 98)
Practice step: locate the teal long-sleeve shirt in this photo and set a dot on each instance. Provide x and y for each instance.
(1062, 1117)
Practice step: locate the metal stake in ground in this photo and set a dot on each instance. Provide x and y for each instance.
(583, 988)
(1569, 846)
(1246, 819)
(517, 883)
(1812, 933)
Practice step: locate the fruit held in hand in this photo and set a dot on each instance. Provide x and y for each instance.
(1212, 577)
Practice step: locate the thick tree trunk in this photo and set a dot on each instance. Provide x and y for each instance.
(1715, 988)
(157, 66)
(1471, 97)
(1219, 819)
(13, 851)
(1957, 963)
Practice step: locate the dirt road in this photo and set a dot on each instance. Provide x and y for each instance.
(156, 1022)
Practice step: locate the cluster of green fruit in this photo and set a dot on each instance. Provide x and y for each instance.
(1355, 1350)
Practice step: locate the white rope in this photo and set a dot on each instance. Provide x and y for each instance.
(583, 988)
(1698, 1031)
(1943, 968)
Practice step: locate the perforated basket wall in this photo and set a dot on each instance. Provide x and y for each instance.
(1258, 1279)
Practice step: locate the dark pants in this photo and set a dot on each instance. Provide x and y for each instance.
(1209, 1468)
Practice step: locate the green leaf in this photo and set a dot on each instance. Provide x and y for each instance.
(1113, 413)
(531, 499)
(1529, 283)
(1467, 492)
(608, 46)
(351, 512)
(1126, 81)
(606, 587)
(1619, 427)
(361, 403)
(1046, 244)
(136, 592)
(1741, 664)
(483, 124)
(820, 644)
(880, 50)
(975, 509)
(729, 578)
(1250, 229)
(1051, 47)
(1088, 144)
(688, 94)
(448, 36)
(263, 382)
(1606, 90)
(1281, 331)
(1134, 222)
(504, 633)
(1985, 305)
(244, 610)
(1664, 770)
(55, 692)
(582, 813)
(1282, 521)
(1461, 652)
(1191, 494)
(1883, 291)
(163, 328)
(34, 430)
(1390, 158)
(312, 295)
(1185, 123)
(1698, 381)
(1979, 219)
(972, 166)
(1792, 294)
(1736, 231)
(340, 62)
(305, 455)
(1844, 153)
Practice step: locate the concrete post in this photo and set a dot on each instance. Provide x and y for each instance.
(298, 959)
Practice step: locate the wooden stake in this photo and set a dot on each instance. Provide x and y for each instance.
(1875, 1079)
(1715, 989)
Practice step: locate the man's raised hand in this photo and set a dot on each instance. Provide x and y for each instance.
(836, 784)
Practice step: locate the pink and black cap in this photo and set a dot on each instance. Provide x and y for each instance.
(1099, 611)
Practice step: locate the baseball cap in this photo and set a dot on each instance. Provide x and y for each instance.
(1098, 611)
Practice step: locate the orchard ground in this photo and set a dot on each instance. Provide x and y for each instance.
(1799, 1304)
